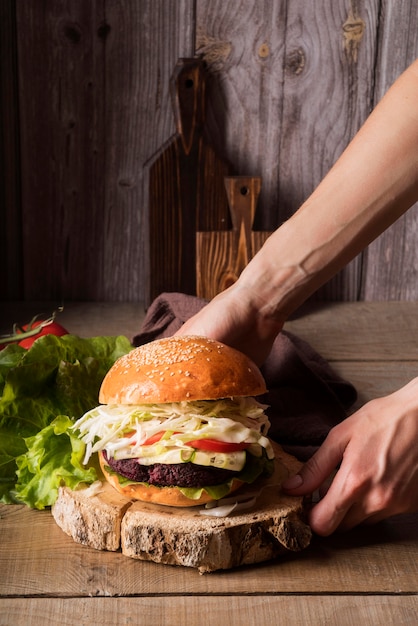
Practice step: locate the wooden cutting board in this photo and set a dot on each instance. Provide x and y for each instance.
(222, 255)
(273, 526)
(185, 190)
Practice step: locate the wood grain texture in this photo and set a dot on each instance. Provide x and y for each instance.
(96, 112)
(366, 576)
(391, 262)
(145, 42)
(232, 610)
(321, 116)
(221, 255)
(185, 188)
(244, 45)
(293, 142)
(289, 85)
(370, 331)
(34, 548)
(313, 88)
(10, 229)
(62, 145)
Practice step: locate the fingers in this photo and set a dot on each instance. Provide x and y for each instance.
(319, 474)
(377, 458)
(338, 512)
(337, 509)
(316, 472)
(345, 499)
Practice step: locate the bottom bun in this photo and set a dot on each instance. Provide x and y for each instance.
(170, 496)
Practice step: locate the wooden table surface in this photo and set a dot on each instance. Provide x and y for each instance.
(366, 576)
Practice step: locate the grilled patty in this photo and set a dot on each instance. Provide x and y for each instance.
(176, 474)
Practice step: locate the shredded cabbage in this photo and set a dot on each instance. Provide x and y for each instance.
(122, 430)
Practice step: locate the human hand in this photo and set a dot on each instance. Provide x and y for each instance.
(232, 318)
(378, 476)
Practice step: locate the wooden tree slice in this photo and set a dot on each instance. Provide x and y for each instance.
(274, 525)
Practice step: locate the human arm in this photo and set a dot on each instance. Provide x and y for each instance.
(370, 186)
(377, 454)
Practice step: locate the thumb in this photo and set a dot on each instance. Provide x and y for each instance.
(317, 469)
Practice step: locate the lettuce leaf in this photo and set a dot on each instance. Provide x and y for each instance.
(54, 457)
(11, 446)
(57, 376)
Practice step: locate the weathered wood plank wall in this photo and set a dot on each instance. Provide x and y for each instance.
(10, 219)
(85, 102)
(391, 262)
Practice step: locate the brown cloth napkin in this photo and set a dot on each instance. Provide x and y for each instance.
(306, 397)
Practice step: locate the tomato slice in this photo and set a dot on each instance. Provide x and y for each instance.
(153, 438)
(213, 445)
(217, 446)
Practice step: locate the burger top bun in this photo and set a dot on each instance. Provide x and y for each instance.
(181, 368)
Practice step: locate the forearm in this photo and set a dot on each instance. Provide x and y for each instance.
(370, 186)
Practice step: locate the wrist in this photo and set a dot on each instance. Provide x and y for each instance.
(276, 284)
(261, 301)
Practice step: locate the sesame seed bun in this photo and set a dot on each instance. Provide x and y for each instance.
(181, 368)
(176, 369)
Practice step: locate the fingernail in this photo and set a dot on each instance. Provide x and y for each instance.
(293, 482)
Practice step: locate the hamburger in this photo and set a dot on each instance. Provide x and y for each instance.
(179, 423)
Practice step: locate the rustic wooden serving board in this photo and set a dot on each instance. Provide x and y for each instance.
(274, 525)
(185, 188)
(222, 255)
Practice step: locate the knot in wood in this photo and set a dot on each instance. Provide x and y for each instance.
(103, 31)
(353, 31)
(264, 51)
(295, 61)
(214, 51)
(353, 27)
(71, 32)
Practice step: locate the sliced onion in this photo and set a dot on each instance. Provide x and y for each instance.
(93, 489)
(219, 511)
(224, 507)
(239, 502)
